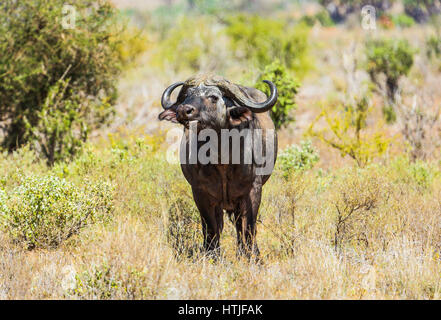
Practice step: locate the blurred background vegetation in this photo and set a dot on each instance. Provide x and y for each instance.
(83, 168)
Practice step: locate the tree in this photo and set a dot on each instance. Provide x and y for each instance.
(56, 83)
(392, 60)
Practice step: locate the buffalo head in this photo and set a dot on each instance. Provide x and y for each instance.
(214, 102)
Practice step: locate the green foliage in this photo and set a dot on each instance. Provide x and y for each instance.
(389, 114)
(391, 58)
(58, 132)
(321, 17)
(418, 174)
(433, 47)
(263, 40)
(44, 211)
(133, 43)
(403, 21)
(346, 132)
(213, 7)
(109, 281)
(161, 20)
(297, 158)
(49, 70)
(287, 87)
(99, 283)
(191, 45)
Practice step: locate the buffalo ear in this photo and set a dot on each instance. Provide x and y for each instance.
(240, 115)
(169, 115)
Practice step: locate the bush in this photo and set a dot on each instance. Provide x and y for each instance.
(44, 211)
(287, 87)
(263, 40)
(321, 17)
(68, 75)
(297, 158)
(433, 47)
(191, 45)
(415, 173)
(391, 58)
(134, 42)
(358, 195)
(112, 281)
(99, 283)
(346, 132)
(403, 21)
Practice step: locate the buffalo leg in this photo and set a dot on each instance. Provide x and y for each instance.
(245, 220)
(212, 221)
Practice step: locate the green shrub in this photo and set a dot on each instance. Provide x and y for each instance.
(133, 43)
(417, 173)
(68, 75)
(321, 17)
(192, 45)
(297, 158)
(391, 58)
(324, 18)
(433, 47)
(112, 281)
(44, 211)
(403, 21)
(287, 87)
(389, 114)
(346, 132)
(99, 283)
(262, 40)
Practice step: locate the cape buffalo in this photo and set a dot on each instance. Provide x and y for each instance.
(227, 182)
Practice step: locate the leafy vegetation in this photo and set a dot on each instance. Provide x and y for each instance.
(44, 211)
(433, 45)
(391, 59)
(297, 158)
(403, 21)
(287, 87)
(192, 45)
(65, 74)
(346, 132)
(321, 17)
(262, 40)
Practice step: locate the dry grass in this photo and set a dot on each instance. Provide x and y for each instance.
(388, 248)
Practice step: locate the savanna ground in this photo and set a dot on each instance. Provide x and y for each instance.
(336, 228)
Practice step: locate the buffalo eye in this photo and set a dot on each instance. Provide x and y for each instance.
(213, 98)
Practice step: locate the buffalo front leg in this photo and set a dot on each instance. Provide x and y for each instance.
(212, 221)
(245, 221)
